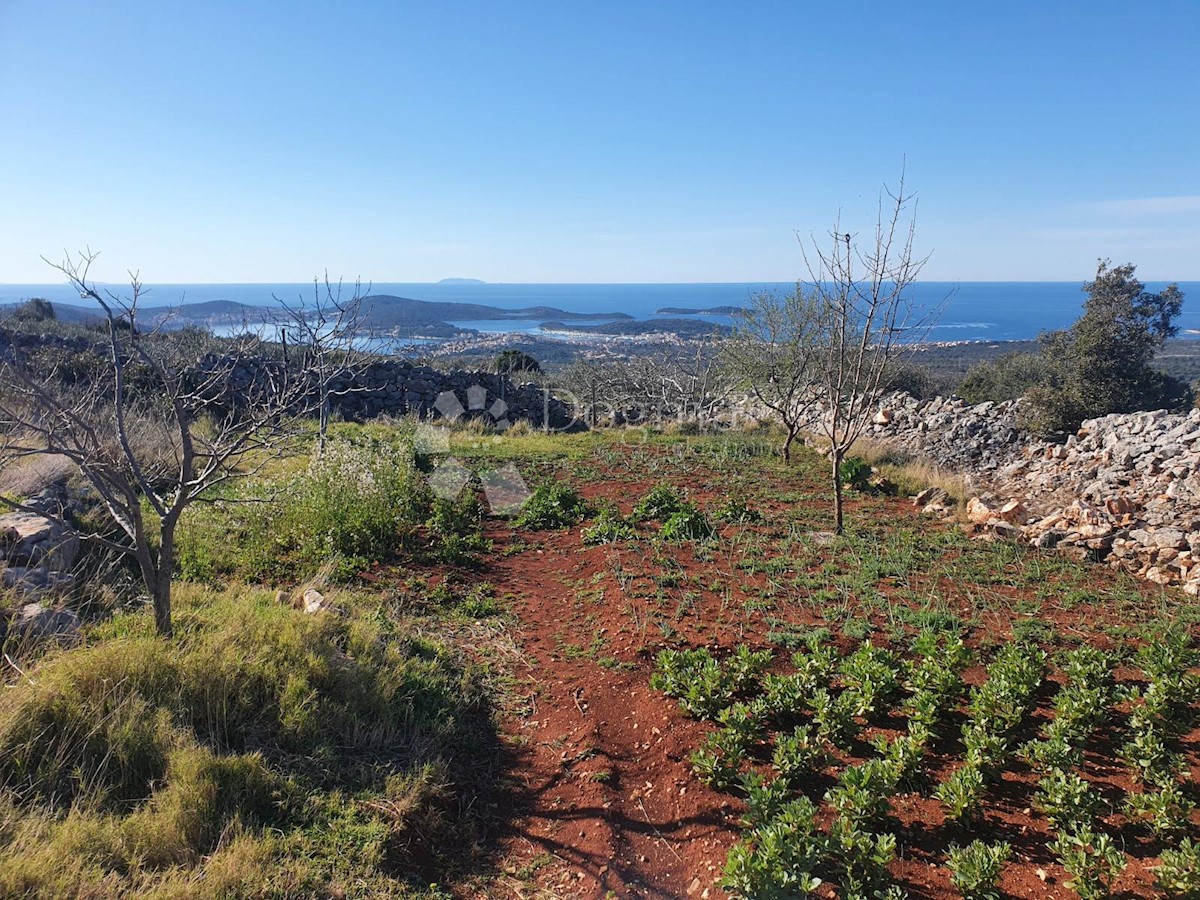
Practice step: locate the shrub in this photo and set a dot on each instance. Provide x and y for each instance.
(962, 794)
(553, 506)
(718, 761)
(776, 860)
(1008, 377)
(509, 361)
(975, 869)
(834, 717)
(698, 681)
(854, 472)
(735, 510)
(1067, 800)
(356, 504)
(453, 528)
(799, 754)
(1167, 811)
(862, 857)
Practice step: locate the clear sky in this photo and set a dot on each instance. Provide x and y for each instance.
(593, 141)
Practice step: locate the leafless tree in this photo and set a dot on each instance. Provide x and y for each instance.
(151, 430)
(330, 336)
(774, 356)
(676, 382)
(868, 318)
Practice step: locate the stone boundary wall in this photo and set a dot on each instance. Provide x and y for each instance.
(1124, 489)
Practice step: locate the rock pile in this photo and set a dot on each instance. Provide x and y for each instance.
(400, 387)
(1125, 489)
(36, 558)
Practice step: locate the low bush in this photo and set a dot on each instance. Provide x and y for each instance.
(688, 524)
(1092, 861)
(1179, 873)
(356, 504)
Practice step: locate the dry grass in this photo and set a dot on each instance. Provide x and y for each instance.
(20, 478)
(910, 474)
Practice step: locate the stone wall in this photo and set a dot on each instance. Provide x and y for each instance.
(1125, 489)
(400, 387)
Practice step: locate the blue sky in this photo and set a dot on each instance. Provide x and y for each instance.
(586, 141)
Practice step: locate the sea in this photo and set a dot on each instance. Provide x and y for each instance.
(970, 310)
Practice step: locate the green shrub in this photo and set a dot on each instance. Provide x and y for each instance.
(553, 505)
(799, 755)
(1067, 800)
(854, 472)
(776, 860)
(1167, 811)
(962, 794)
(453, 528)
(735, 510)
(1008, 377)
(357, 504)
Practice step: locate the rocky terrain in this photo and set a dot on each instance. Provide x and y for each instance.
(1125, 489)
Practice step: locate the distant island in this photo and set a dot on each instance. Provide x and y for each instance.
(461, 281)
(711, 311)
(383, 312)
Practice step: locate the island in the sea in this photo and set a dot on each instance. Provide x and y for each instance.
(461, 281)
(711, 311)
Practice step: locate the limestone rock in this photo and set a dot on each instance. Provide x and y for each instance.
(979, 511)
(36, 624)
(1014, 512)
(314, 601)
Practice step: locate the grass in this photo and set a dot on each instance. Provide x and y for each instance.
(289, 753)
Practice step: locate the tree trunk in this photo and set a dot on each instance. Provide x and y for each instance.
(787, 446)
(837, 491)
(162, 586)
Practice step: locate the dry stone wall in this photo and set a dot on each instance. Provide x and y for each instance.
(1125, 489)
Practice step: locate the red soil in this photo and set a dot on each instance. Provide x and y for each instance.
(606, 803)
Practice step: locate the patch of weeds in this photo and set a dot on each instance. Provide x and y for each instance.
(608, 528)
(553, 505)
(660, 503)
(735, 510)
(687, 524)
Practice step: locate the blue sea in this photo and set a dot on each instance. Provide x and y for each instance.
(973, 311)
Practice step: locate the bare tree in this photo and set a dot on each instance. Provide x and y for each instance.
(151, 430)
(774, 356)
(330, 335)
(868, 317)
(675, 382)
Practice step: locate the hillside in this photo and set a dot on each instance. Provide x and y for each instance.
(667, 614)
